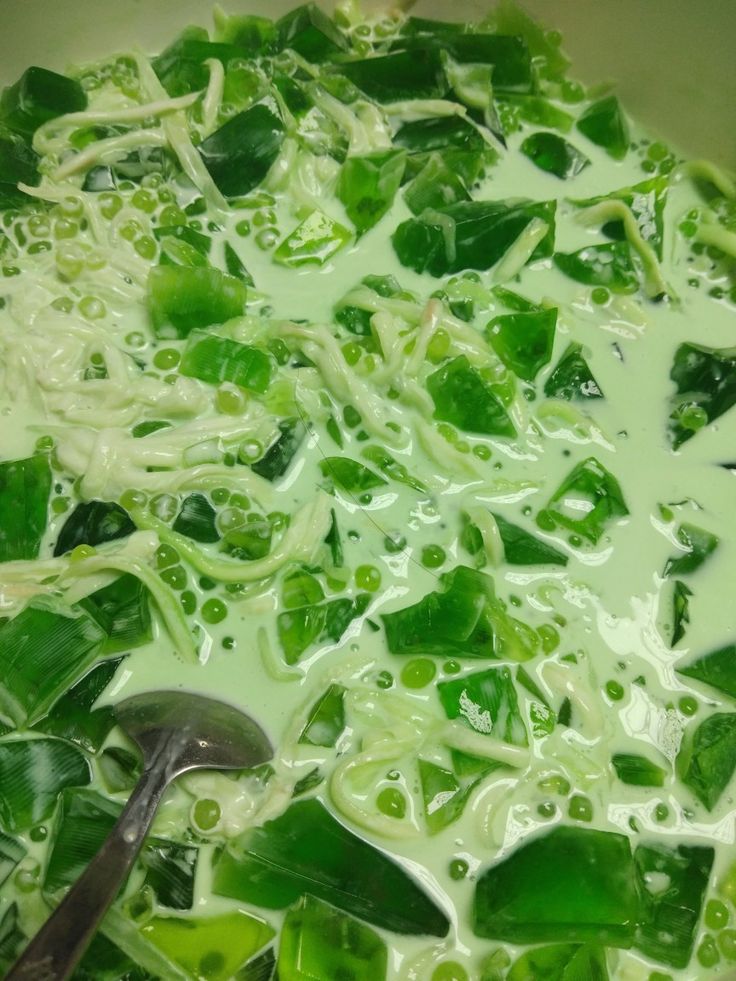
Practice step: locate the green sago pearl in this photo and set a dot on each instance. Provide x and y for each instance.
(65, 228)
(26, 879)
(384, 680)
(240, 500)
(708, 955)
(63, 304)
(230, 400)
(250, 450)
(451, 667)
(449, 971)
(213, 610)
(188, 602)
(38, 226)
(367, 577)
(131, 499)
(242, 228)
(220, 496)
(44, 443)
(661, 812)
(351, 352)
(146, 247)
(438, 346)
(229, 643)
(59, 505)
(81, 552)
(482, 451)
(265, 217)
(206, 583)
(600, 296)
(727, 944)
(580, 808)
(547, 809)
(110, 203)
(39, 833)
(131, 229)
(659, 976)
(144, 201)
(92, 308)
(351, 416)
(175, 576)
(614, 690)
(688, 705)
(394, 543)
(230, 519)
(267, 238)
(206, 814)
(166, 358)
(172, 214)
(166, 555)
(716, 914)
(135, 339)
(458, 869)
(433, 556)
(418, 672)
(36, 248)
(391, 802)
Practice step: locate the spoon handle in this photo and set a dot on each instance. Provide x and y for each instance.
(56, 949)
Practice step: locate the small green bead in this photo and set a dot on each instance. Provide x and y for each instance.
(367, 577)
(27, 880)
(175, 576)
(64, 228)
(614, 690)
(229, 643)
(433, 556)
(716, 914)
(206, 814)
(580, 808)
(250, 450)
(482, 451)
(438, 346)
(39, 833)
(688, 705)
(220, 496)
(708, 955)
(659, 976)
(81, 552)
(449, 971)
(727, 944)
(452, 667)
(418, 672)
(188, 602)
(351, 416)
(394, 543)
(600, 296)
(267, 238)
(146, 247)
(547, 809)
(384, 680)
(166, 358)
(230, 401)
(243, 228)
(131, 499)
(391, 802)
(351, 352)
(166, 556)
(661, 812)
(60, 505)
(110, 204)
(144, 201)
(213, 611)
(458, 869)
(135, 339)
(63, 304)
(172, 214)
(92, 308)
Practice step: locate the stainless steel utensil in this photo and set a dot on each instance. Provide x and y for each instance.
(176, 732)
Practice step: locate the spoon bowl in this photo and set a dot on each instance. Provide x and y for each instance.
(176, 732)
(198, 732)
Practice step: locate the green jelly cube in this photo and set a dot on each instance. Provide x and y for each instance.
(319, 942)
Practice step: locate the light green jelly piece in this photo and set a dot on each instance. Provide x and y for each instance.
(313, 242)
(319, 941)
(211, 948)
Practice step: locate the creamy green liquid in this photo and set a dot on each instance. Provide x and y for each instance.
(610, 605)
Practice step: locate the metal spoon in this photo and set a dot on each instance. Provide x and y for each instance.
(176, 732)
